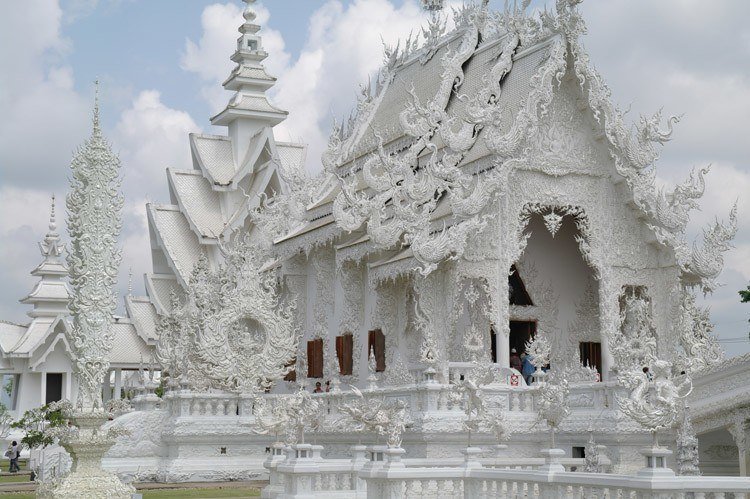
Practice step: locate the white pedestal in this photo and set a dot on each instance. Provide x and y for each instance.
(656, 462)
(552, 459)
(471, 457)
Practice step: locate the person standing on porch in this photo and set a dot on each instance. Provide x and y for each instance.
(528, 369)
(515, 360)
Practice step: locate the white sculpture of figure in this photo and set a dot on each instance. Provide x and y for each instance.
(552, 402)
(468, 393)
(593, 461)
(687, 446)
(271, 418)
(372, 379)
(540, 350)
(94, 220)
(378, 416)
(302, 412)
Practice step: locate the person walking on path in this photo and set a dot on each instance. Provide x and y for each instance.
(12, 454)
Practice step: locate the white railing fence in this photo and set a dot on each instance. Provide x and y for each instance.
(379, 473)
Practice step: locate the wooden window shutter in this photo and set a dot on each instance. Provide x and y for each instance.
(376, 345)
(315, 358)
(344, 352)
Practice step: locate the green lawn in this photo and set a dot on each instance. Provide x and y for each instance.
(200, 493)
(14, 478)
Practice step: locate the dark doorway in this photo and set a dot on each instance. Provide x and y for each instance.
(517, 294)
(520, 333)
(54, 387)
(591, 355)
(493, 345)
(315, 358)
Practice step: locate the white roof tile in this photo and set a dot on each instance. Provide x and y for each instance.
(292, 156)
(201, 203)
(214, 154)
(10, 334)
(128, 347)
(34, 335)
(143, 314)
(160, 287)
(179, 241)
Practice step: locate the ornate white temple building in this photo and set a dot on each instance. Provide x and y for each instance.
(485, 201)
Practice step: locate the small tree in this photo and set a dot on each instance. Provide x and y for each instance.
(37, 425)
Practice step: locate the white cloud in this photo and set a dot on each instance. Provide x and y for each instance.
(209, 57)
(23, 223)
(152, 137)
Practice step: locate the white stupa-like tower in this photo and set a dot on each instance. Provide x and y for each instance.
(224, 184)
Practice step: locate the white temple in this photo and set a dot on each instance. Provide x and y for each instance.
(485, 200)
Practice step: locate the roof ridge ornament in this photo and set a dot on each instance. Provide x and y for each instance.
(51, 245)
(432, 5)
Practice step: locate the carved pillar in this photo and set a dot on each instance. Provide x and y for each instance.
(351, 317)
(295, 279)
(324, 265)
(739, 431)
(608, 320)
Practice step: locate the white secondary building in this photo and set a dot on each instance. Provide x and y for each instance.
(35, 357)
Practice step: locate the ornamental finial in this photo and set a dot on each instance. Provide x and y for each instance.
(97, 131)
(432, 5)
(52, 220)
(130, 281)
(249, 13)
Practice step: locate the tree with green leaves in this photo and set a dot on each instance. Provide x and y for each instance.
(36, 424)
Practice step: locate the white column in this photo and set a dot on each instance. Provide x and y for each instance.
(43, 395)
(107, 387)
(68, 386)
(739, 432)
(118, 384)
(608, 311)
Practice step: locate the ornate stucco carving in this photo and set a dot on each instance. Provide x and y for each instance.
(94, 222)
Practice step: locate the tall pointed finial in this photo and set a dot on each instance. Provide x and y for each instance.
(130, 281)
(249, 13)
(51, 245)
(52, 219)
(97, 131)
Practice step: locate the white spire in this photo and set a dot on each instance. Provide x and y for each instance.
(248, 110)
(50, 295)
(51, 245)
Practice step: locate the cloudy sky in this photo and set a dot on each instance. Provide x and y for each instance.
(161, 63)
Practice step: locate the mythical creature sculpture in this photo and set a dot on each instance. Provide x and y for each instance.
(388, 418)
(552, 401)
(687, 446)
(654, 401)
(232, 332)
(301, 412)
(701, 349)
(468, 393)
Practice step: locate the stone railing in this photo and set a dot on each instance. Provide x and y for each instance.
(420, 398)
(199, 404)
(379, 472)
(479, 483)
